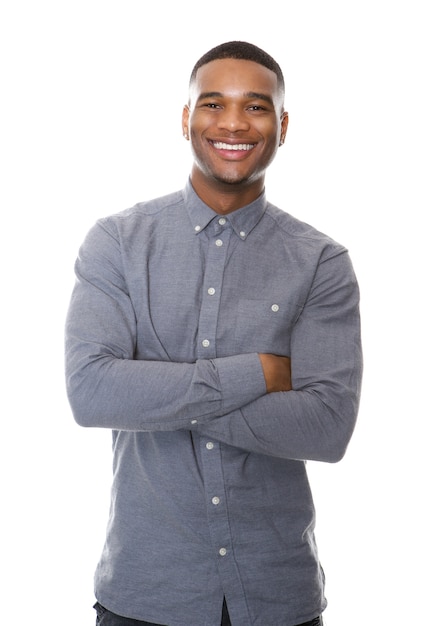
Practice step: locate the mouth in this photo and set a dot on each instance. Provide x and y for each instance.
(220, 145)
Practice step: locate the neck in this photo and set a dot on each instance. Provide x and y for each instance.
(225, 198)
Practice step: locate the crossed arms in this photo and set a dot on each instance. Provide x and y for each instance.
(303, 407)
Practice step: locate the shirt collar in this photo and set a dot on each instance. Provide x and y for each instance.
(243, 220)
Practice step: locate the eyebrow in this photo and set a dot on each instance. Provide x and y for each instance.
(249, 94)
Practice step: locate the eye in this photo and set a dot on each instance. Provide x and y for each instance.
(211, 105)
(257, 108)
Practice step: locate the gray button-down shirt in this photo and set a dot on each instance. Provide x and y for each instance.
(210, 496)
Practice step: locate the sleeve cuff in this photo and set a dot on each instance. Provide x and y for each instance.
(242, 380)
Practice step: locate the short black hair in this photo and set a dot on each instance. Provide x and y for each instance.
(240, 50)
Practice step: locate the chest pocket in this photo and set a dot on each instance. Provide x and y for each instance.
(265, 325)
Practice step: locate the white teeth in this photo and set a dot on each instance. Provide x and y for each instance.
(219, 145)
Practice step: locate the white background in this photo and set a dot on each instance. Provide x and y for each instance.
(92, 94)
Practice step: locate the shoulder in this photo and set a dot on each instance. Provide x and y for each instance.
(139, 217)
(299, 233)
(132, 225)
(148, 208)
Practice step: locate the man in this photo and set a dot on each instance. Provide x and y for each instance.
(218, 337)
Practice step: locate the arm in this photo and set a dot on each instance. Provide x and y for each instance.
(109, 387)
(314, 420)
(277, 372)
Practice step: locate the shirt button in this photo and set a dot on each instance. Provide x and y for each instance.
(194, 422)
(242, 233)
(215, 500)
(197, 228)
(211, 291)
(218, 242)
(205, 343)
(223, 221)
(275, 308)
(209, 445)
(222, 551)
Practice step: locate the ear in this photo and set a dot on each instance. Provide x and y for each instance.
(284, 120)
(185, 121)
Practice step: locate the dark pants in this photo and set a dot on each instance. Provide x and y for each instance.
(106, 618)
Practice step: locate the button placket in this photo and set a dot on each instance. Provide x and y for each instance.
(213, 276)
(216, 498)
(219, 234)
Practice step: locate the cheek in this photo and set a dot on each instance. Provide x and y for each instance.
(272, 140)
(271, 132)
(199, 120)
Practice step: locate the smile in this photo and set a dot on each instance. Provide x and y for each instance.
(219, 145)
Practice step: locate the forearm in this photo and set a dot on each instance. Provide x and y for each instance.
(128, 394)
(292, 424)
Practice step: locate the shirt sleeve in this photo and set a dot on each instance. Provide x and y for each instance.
(315, 420)
(108, 387)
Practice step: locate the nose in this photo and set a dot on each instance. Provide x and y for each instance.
(233, 119)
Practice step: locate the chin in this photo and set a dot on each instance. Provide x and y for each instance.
(231, 180)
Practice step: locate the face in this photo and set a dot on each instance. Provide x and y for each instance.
(235, 122)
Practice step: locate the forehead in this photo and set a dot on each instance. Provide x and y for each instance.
(233, 77)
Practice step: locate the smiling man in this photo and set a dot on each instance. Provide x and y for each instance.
(235, 121)
(218, 338)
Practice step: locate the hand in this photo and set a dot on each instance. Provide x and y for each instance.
(277, 372)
